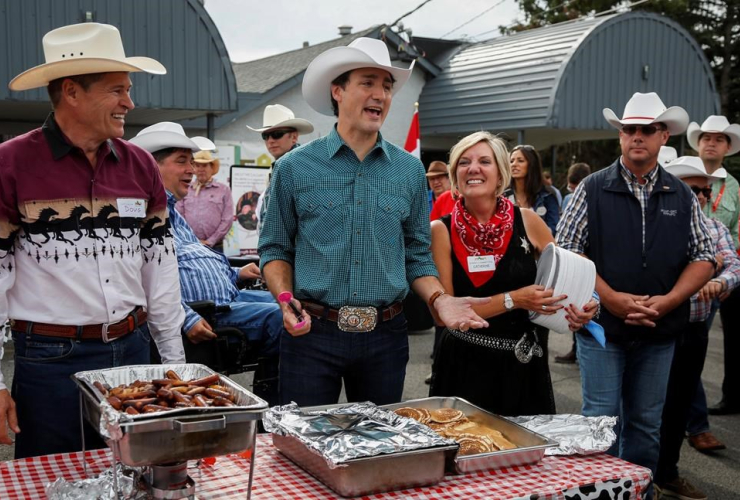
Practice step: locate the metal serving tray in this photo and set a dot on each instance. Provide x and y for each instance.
(531, 446)
(178, 434)
(366, 476)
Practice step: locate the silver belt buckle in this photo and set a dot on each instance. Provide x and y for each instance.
(105, 333)
(357, 319)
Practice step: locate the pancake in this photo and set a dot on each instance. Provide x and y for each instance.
(473, 444)
(419, 414)
(446, 415)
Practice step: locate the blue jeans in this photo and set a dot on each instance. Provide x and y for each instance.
(628, 380)
(47, 400)
(258, 316)
(371, 364)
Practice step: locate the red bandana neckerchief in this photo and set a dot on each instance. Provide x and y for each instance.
(470, 237)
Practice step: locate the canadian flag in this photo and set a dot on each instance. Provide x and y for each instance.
(413, 140)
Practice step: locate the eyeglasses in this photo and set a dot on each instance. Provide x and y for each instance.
(644, 129)
(275, 134)
(707, 191)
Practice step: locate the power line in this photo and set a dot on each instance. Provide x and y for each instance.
(531, 19)
(422, 4)
(473, 18)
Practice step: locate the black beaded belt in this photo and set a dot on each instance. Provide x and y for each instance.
(523, 348)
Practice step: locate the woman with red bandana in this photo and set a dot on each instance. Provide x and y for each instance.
(487, 248)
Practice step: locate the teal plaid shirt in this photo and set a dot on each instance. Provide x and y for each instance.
(356, 233)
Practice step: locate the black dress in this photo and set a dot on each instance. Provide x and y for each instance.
(482, 366)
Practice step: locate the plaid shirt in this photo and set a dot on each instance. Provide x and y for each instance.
(355, 232)
(205, 274)
(572, 233)
(730, 272)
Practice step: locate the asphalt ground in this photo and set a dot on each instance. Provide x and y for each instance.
(717, 474)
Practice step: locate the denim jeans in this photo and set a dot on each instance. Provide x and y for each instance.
(258, 316)
(698, 418)
(688, 362)
(371, 364)
(628, 380)
(47, 400)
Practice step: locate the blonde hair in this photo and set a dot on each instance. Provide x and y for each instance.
(500, 156)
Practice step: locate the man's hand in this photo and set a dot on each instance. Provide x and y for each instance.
(201, 331)
(457, 312)
(250, 272)
(631, 308)
(711, 291)
(204, 242)
(7, 414)
(290, 321)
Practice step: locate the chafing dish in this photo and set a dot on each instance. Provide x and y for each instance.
(531, 446)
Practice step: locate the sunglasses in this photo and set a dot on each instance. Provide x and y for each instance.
(707, 191)
(644, 129)
(275, 134)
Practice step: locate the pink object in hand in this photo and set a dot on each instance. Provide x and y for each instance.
(287, 298)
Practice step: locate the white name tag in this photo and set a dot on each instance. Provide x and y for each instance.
(480, 263)
(131, 207)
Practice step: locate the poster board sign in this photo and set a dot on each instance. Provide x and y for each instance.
(247, 184)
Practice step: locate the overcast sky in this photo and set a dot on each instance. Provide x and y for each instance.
(253, 29)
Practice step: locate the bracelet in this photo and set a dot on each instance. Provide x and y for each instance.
(434, 297)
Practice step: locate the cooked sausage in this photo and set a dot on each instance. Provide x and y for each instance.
(115, 402)
(216, 393)
(132, 411)
(154, 408)
(101, 388)
(199, 401)
(206, 381)
(219, 401)
(172, 374)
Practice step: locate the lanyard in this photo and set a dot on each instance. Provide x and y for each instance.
(719, 197)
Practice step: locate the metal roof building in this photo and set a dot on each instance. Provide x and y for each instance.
(549, 85)
(178, 33)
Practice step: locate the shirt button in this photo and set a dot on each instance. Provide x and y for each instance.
(114, 312)
(354, 294)
(107, 281)
(359, 232)
(357, 262)
(359, 202)
(359, 175)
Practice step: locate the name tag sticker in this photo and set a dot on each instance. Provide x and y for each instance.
(478, 263)
(131, 207)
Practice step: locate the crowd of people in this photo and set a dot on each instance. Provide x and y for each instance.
(136, 228)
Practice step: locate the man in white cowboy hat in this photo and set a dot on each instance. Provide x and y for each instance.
(635, 221)
(691, 346)
(206, 274)
(347, 231)
(86, 259)
(714, 140)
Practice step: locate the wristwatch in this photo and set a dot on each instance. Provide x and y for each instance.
(508, 303)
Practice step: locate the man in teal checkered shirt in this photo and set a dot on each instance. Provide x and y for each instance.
(347, 231)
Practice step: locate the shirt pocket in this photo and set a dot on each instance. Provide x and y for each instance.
(391, 213)
(321, 216)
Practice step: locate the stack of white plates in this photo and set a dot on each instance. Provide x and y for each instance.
(566, 273)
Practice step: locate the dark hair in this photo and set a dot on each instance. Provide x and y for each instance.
(534, 182)
(577, 172)
(162, 154)
(341, 80)
(54, 88)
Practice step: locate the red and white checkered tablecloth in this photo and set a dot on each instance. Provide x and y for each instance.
(277, 477)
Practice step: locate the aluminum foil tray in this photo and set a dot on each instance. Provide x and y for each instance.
(531, 446)
(368, 475)
(170, 436)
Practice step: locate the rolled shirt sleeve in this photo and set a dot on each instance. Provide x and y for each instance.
(701, 247)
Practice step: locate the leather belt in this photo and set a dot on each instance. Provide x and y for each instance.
(322, 311)
(104, 331)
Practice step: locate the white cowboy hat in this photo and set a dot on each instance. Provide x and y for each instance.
(666, 155)
(278, 116)
(644, 109)
(204, 143)
(718, 125)
(566, 273)
(164, 135)
(361, 53)
(692, 166)
(81, 49)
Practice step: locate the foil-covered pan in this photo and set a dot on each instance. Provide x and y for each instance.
(361, 475)
(170, 436)
(530, 449)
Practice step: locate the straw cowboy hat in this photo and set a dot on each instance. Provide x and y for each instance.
(81, 49)
(361, 53)
(666, 155)
(437, 168)
(278, 116)
(164, 135)
(644, 109)
(693, 166)
(718, 125)
(207, 157)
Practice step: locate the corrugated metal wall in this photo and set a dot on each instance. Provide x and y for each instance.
(562, 76)
(178, 33)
